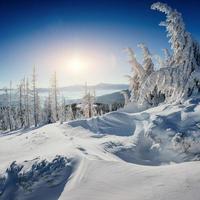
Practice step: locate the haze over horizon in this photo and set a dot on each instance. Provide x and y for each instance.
(82, 41)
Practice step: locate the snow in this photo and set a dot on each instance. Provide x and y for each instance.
(119, 155)
(111, 180)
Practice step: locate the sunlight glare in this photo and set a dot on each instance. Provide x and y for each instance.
(77, 64)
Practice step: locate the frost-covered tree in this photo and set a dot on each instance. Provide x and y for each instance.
(70, 115)
(6, 112)
(180, 39)
(179, 73)
(159, 62)
(27, 104)
(147, 59)
(87, 105)
(10, 104)
(139, 72)
(136, 67)
(137, 75)
(47, 110)
(126, 97)
(186, 53)
(164, 61)
(167, 58)
(54, 97)
(62, 111)
(35, 99)
(21, 105)
(9, 108)
(4, 119)
(155, 97)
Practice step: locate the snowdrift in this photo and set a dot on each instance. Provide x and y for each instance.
(167, 133)
(46, 179)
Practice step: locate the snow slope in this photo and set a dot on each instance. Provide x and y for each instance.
(164, 134)
(117, 156)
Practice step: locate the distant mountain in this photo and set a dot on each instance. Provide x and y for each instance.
(115, 97)
(100, 86)
(110, 98)
(108, 86)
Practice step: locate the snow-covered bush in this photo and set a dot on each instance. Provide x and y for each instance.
(42, 175)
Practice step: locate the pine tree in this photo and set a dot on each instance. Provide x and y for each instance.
(54, 95)
(27, 104)
(47, 110)
(6, 118)
(87, 104)
(10, 120)
(35, 99)
(63, 113)
(21, 103)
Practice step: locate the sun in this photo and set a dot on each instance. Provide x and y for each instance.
(76, 64)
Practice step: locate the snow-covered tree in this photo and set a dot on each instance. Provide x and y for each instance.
(136, 67)
(126, 97)
(6, 112)
(35, 99)
(4, 118)
(159, 62)
(70, 115)
(167, 58)
(179, 74)
(147, 59)
(47, 110)
(164, 61)
(54, 96)
(180, 39)
(63, 112)
(27, 104)
(9, 107)
(87, 105)
(138, 73)
(21, 108)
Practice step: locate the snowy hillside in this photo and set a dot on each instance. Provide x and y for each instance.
(120, 155)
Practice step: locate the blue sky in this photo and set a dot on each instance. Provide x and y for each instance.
(48, 34)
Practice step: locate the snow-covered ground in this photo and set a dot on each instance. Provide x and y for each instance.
(118, 156)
